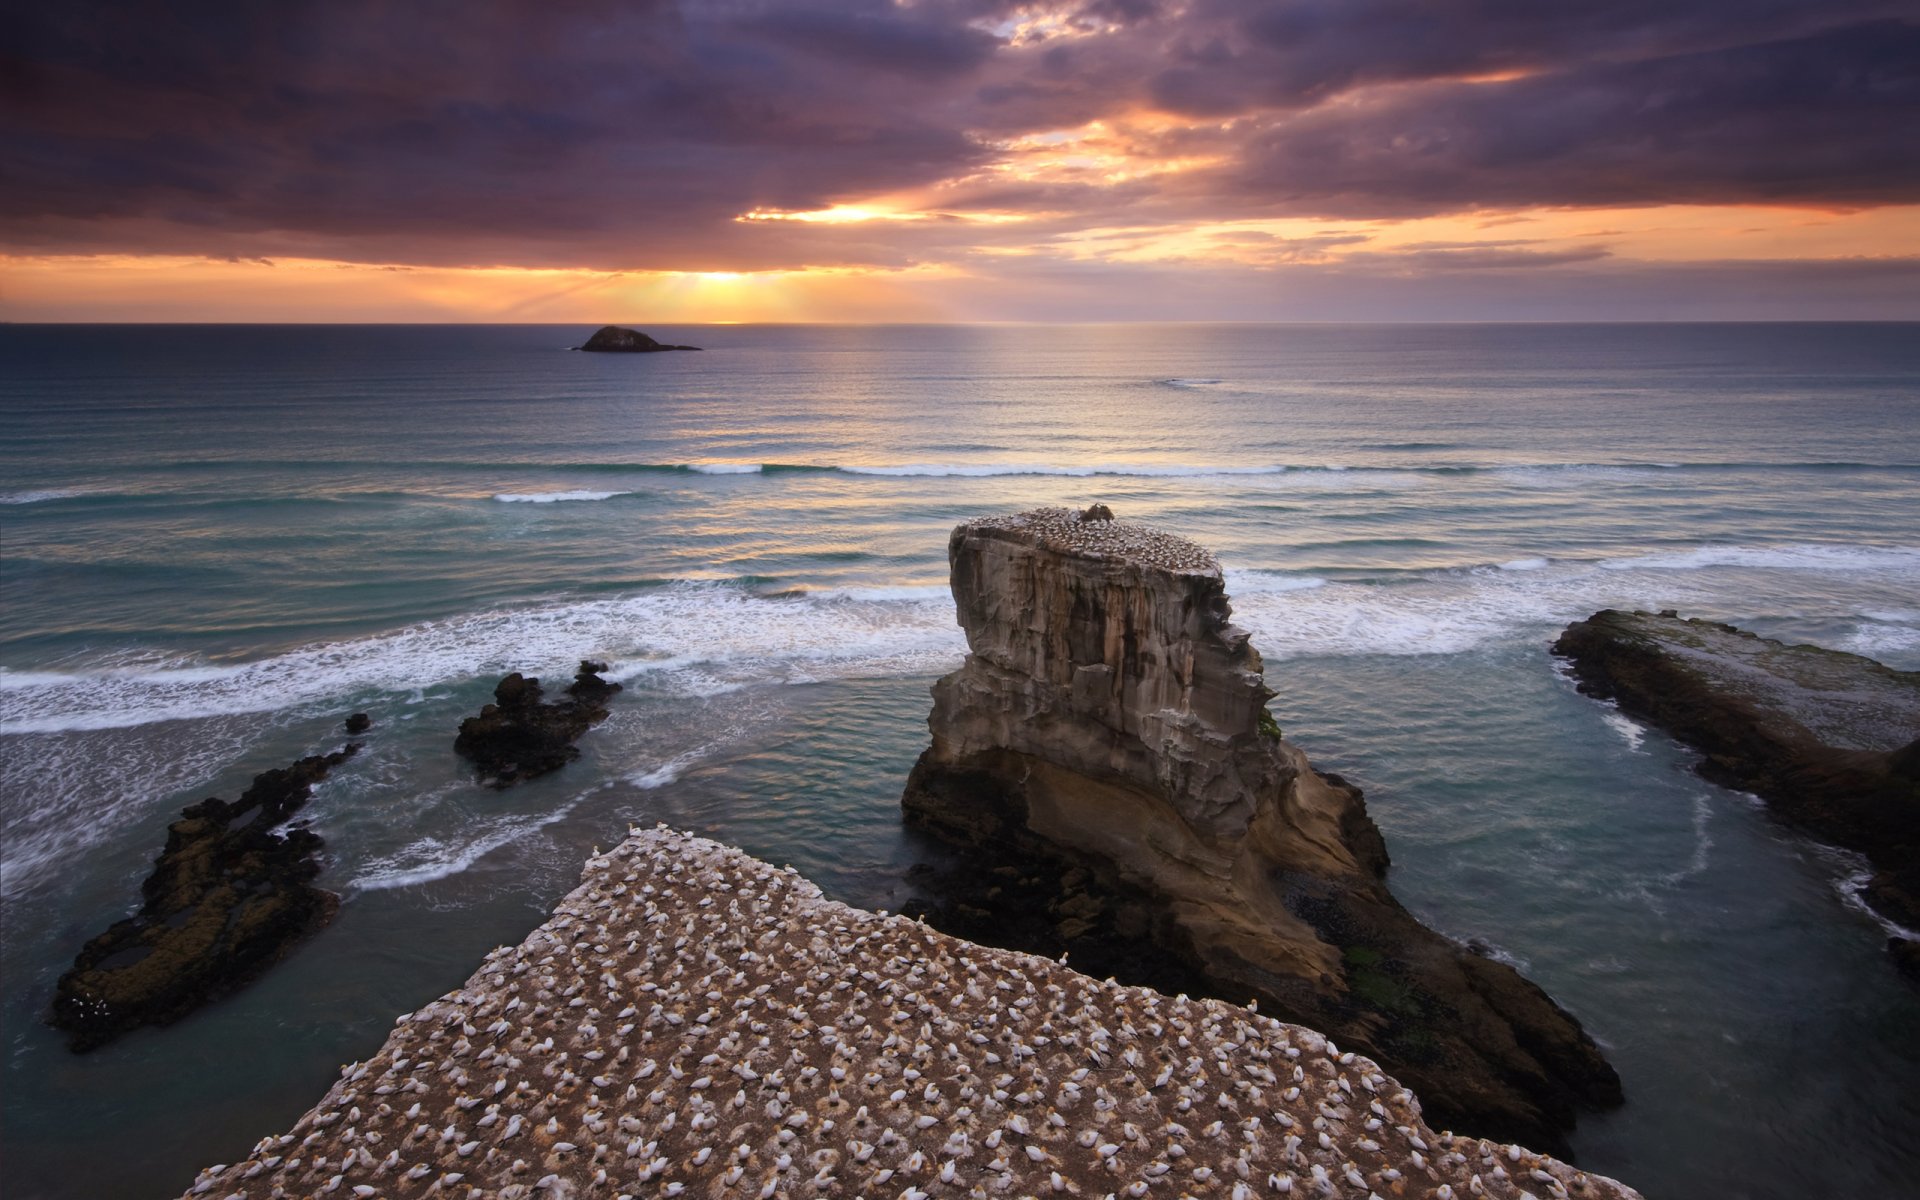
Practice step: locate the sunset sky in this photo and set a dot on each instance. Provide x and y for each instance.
(961, 160)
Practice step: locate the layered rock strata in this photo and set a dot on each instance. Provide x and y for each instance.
(1831, 741)
(692, 1022)
(228, 897)
(521, 735)
(1105, 752)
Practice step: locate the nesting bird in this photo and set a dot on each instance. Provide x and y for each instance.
(741, 1036)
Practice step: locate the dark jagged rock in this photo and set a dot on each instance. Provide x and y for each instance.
(1097, 512)
(1827, 739)
(1106, 766)
(518, 736)
(626, 341)
(225, 901)
(359, 723)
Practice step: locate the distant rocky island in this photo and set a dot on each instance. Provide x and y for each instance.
(626, 341)
(1830, 740)
(1106, 757)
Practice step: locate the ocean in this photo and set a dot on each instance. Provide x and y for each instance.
(216, 542)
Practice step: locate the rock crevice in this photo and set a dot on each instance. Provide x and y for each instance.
(1110, 727)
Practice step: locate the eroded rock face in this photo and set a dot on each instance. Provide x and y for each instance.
(1830, 740)
(520, 735)
(1107, 742)
(627, 341)
(226, 900)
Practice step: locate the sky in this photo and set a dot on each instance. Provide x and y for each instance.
(960, 160)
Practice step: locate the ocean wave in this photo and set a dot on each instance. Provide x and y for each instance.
(1257, 582)
(1191, 383)
(431, 858)
(985, 470)
(695, 638)
(1631, 732)
(726, 468)
(554, 497)
(699, 638)
(41, 496)
(1791, 557)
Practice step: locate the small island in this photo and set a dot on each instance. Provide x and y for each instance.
(626, 341)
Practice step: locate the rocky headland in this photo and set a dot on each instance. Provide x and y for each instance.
(228, 897)
(625, 341)
(1106, 762)
(521, 735)
(693, 1022)
(1830, 740)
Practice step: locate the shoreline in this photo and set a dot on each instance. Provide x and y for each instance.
(693, 1021)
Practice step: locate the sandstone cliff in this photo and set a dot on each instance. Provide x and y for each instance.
(1107, 753)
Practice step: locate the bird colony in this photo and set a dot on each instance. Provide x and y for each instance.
(1103, 537)
(694, 1022)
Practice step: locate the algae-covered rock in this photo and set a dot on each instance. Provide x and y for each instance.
(225, 901)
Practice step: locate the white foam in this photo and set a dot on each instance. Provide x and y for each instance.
(430, 858)
(695, 638)
(1630, 731)
(554, 497)
(64, 794)
(726, 468)
(1255, 583)
(1702, 840)
(988, 470)
(1523, 564)
(911, 591)
(41, 495)
(1791, 557)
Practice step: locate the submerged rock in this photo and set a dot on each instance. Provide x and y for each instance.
(519, 737)
(628, 341)
(225, 901)
(1830, 740)
(1106, 757)
(359, 723)
(735, 1034)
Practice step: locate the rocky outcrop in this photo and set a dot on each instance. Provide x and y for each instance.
(1106, 757)
(225, 901)
(519, 736)
(734, 1034)
(1831, 741)
(626, 341)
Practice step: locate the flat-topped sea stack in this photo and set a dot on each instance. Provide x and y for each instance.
(1106, 756)
(614, 339)
(693, 1022)
(1830, 740)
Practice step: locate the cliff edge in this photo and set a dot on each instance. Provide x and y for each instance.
(1106, 754)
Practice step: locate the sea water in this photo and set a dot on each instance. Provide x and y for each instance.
(215, 542)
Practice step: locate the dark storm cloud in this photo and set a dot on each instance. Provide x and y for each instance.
(1833, 118)
(631, 135)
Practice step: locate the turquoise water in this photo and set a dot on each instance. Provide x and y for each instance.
(216, 541)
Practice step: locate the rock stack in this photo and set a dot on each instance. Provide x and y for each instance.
(1106, 758)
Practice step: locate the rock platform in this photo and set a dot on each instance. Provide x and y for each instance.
(1830, 740)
